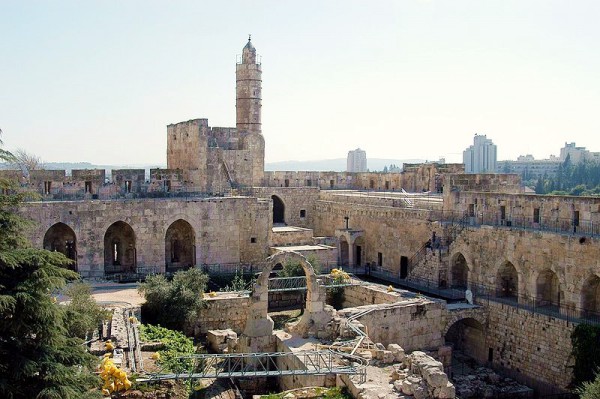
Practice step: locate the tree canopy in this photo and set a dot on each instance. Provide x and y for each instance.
(37, 357)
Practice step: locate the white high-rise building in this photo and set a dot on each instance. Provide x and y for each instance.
(481, 157)
(357, 161)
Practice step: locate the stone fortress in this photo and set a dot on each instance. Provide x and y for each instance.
(530, 262)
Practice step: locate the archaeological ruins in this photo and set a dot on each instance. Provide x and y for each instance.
(478, 266)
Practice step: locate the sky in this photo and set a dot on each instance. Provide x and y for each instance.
(99, 81)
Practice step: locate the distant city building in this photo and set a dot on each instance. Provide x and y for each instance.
(578, 154)
(481, 156)
(357, 161)
(530, 168)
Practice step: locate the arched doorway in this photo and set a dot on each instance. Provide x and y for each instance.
(344, 249)
(590, 297)
(278, 210)
(180, 246)
(548, 289)
(61, 238)
(467, 336)
(507, 281)
(460, 272)
(119, 249)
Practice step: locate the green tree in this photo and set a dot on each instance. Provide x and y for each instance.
(174, 304)
(590, 390)
(37, 357)
(83, 314)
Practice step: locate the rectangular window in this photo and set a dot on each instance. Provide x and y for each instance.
(502, 212)
(308, 182)
(379, 259)
(287, 182)
(303, 213)
(372, 184)
(331, 183)
(168, 186)
(88, 186)
(127, 186)
(253, 240)
(387, 185)
(536, 215)
(47, 186)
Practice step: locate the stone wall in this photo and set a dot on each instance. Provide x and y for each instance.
(295, 200)
(537, 257)
(222, 312)
(485, 182)
(415, 324)
(372, 294)
(414, 178)
(393, 232)
(532, 344)
(227, 230)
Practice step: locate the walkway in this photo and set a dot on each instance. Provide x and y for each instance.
(277, 364)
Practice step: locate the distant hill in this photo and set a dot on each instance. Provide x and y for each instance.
(334, 165)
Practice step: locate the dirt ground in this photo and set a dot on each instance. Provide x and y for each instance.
(106, 293)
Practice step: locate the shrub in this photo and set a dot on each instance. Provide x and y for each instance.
(175, 303)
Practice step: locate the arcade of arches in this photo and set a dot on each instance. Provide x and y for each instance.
(507, 281)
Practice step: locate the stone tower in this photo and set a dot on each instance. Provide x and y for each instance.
(248, 76)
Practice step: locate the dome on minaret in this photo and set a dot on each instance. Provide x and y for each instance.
(249, 45)
(249, 53)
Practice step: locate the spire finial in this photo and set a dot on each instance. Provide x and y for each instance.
(249, 37)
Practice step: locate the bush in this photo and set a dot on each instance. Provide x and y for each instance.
(173, 304)
(586, 351)
(590, 390)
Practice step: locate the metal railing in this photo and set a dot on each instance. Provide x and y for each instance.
(483, 294)
(555, 225)
(420, 285)
(279, 284)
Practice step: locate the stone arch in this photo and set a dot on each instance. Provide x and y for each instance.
(61, 238)
(459, 271)
(507, 281)
(180, 246)
(548, 289)
(119, 248)
(468, 335)
(278, 210)
(258, 322)
(590, 297)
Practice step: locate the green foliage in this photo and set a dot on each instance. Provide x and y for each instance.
(174, 303)
(582, 179)
(83, 314)
(240, 282)
(327, 393)
(176, 345)
(37, 357)
(590, 389)
(585, 340)
(293, 268)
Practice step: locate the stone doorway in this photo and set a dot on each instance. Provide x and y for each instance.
(119, 249)
(61, 238)
(278, 210)
(180, 246)
(460, 272)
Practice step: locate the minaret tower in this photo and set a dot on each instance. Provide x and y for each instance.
(248, 76)
(248, 92)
